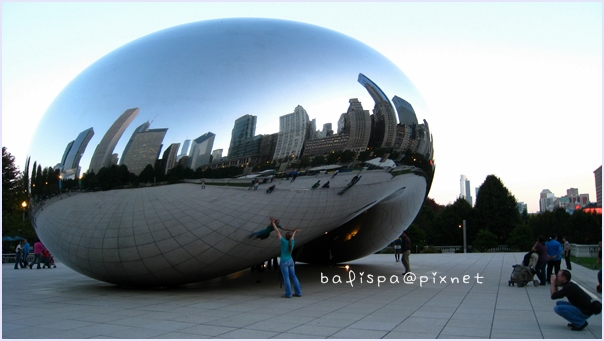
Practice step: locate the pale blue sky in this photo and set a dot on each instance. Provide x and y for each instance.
(514, 89)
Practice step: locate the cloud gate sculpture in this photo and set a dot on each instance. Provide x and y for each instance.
(176, 97)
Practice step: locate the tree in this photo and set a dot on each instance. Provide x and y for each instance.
(521, 238)
(11, 183)
(417, 236)
(496, 209)
(447, 225)
(15, 221)
(485, 240)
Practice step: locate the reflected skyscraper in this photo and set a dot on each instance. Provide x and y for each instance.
(292, 132)
(356, 122)
(70, 164)
(201, 150)
(384, 129)
(406, 114)
(103, 153)
(185, 149)
(168, 159)
(244, 128)
(143, 148)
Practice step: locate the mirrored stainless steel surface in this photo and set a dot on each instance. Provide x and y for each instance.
(192, 82)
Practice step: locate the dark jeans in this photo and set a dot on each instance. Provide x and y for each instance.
(541, 272)
(24, 260)
(567, 260)
(37, 258)
(18, 260)
(552, 264)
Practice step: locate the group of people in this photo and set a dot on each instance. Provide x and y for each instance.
(579, 306)
(41, 254)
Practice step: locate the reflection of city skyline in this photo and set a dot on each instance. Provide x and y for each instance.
(297, 136)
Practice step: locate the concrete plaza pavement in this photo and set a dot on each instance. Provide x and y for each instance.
(63, 304)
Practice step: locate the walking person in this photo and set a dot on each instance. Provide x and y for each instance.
(203, 184)
(541, 250)
(578, 307)
(406, 248)
(599, 286)
(398, 245)
(287, 262)
(567, 253)
(38, 247)
(26, 249)
(18, 254)
(554, 251)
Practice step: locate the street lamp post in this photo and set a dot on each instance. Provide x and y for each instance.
(465, 242)
(24, 205)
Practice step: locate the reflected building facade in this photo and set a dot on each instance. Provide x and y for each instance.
(292, 134)
(168, 159)
(103, 154)
(243, 130)
(201, 150)
(70, 163)
(384, 120)
(143, 148)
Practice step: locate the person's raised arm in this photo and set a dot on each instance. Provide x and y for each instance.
(276, 229)
(294, 234)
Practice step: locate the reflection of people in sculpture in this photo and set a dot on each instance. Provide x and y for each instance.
(335, 173)
(287, 261)
(317, 184)
(264, 233)
(352, 182)
(270, 189)
(326, 185)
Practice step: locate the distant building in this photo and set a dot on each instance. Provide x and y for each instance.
(598, 178)
(384, 119)
(201, 150)
(356, 123)
(168, 159)
(184, 150)
(216, 155)
(143, 148)
(103, 154)
(464, 188)
(70, 163)
(292, 133)
(546, 201)
(326, 145)
(521, 206)
(406, 114)
(244, 129)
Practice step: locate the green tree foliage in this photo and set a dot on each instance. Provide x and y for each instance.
(15, 221)
(485, 240)
(579, 227)
(495, 209)
(417, 236)
(12, 190)
(447, 225)
(521, 238)
(426, 217)
(318, 160)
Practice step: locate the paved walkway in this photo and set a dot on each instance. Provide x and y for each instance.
(60, 303)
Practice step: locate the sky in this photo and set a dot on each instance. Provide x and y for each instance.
(513, 89)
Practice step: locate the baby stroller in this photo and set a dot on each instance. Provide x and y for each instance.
(525, 272)
(522, 275)
(47, 260)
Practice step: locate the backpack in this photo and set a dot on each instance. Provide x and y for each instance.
(596, 307)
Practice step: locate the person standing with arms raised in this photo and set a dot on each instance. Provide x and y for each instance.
(287, 261)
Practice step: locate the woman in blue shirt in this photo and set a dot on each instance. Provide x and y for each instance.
(287, 262)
